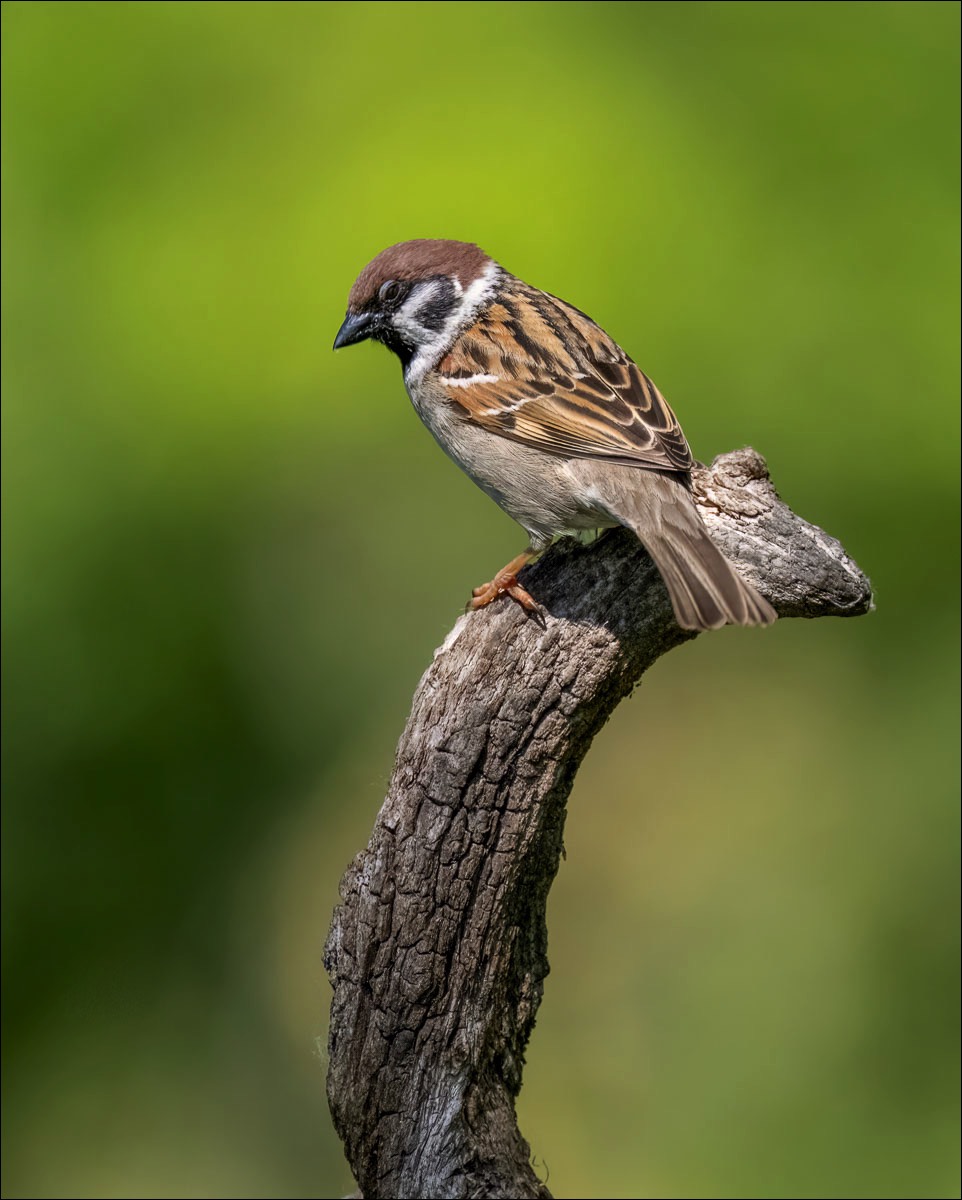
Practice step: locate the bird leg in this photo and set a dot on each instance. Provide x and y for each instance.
(506, 583)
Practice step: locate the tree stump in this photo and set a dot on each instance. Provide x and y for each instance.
(438, 950)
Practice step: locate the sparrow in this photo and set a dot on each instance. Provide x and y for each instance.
(548, 416)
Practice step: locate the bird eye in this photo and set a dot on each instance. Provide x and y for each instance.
(390, 290)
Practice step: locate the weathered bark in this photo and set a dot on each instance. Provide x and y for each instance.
(437, 952)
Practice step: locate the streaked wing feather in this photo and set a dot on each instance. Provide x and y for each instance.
(544, 374)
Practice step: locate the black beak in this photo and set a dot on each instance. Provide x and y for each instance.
(356, 328)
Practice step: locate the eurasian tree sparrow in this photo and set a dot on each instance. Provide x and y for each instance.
(547, 415)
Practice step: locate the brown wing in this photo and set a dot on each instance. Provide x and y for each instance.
(540, 372)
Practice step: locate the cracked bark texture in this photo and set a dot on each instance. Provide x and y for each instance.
(438, 950)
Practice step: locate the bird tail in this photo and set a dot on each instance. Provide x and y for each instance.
(705, 590)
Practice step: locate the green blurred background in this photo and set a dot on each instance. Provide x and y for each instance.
(230, 553)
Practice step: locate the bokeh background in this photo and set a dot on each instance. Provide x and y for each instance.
(229, 554)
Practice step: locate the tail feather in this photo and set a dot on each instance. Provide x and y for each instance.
(705, 589)
(706, 592)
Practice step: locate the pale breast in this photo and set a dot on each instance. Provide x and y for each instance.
(532, 487)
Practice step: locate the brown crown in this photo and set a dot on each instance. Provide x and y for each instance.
(419, 259)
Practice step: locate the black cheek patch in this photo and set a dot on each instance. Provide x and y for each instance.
(435, 312)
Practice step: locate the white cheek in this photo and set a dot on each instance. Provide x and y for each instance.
(405, 319)
(433, 346)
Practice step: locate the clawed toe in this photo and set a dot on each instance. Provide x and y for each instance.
(525, 599)
(505, 586)
(505, 583)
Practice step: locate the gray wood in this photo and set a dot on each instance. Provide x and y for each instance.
(438, 950)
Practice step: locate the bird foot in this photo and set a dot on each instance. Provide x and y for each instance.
(505, 583)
